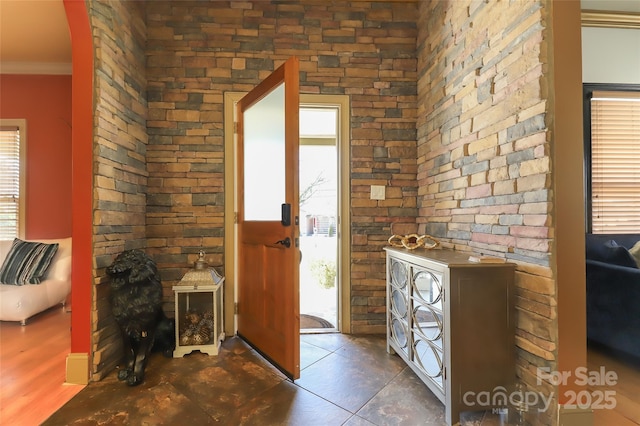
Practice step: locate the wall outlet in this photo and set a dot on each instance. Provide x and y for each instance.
(377, 192)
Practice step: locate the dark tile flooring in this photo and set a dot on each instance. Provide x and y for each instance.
(344, 380)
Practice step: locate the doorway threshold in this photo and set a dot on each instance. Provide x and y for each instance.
(318, 330)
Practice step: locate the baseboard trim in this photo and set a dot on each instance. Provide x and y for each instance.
(575, 416)
(77, 369)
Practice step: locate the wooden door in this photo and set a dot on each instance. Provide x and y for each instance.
(268, 210)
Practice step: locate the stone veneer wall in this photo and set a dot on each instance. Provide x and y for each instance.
(119, 146)
(197, 50)
(484, 152)
(482, 179)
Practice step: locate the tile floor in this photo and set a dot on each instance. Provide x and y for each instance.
(345, 380)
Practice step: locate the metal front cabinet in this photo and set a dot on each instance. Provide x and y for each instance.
(452, 321)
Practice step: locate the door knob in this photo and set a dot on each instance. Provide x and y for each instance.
(286, 242)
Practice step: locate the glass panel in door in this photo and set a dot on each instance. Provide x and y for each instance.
(264, 158)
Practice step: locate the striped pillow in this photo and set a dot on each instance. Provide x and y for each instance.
(26, 262)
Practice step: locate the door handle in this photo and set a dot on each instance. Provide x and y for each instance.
(286, 242)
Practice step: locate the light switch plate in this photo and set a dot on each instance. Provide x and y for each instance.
(377, 192)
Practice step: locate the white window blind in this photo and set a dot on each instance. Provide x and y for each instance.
(9, 182)
(615, 162)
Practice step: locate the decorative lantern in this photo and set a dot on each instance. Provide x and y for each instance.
(199, 317)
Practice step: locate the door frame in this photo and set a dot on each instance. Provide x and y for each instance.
(344, 199)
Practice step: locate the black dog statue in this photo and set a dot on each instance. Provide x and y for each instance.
(136, 304)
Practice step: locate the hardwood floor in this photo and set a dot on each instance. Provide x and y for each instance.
(32, 374)
(33, 368)
(626, 390)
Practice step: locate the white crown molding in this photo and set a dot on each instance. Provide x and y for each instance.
(610, 19)
(43, 68)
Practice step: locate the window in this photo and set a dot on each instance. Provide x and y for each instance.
(612, 134)
(12, 174)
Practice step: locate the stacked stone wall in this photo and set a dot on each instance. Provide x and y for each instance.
(464, 79)
(197, 51)
(484, 157)
(119, 148)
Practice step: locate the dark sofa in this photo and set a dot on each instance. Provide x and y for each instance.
(613, 293)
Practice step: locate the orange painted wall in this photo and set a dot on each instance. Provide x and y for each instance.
(82, 155)
(44, 101)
